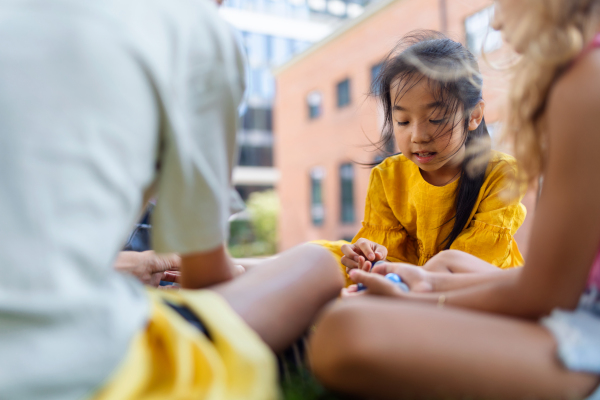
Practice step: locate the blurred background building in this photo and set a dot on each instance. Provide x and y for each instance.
(273, 31)
(325, 123)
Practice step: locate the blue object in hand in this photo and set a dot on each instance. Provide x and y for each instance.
(394, 278)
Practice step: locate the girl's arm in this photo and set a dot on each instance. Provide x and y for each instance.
(422, 282)
(566, 228)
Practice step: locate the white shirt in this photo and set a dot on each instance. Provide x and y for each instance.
(92, 95)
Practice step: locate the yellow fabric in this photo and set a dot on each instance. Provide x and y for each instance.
(171, 359)
(411, 217)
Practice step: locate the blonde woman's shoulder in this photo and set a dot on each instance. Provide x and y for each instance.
(578, 86)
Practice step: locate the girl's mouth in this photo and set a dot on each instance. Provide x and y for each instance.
(424, 157)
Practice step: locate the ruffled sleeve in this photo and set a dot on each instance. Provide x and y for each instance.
(490, 233)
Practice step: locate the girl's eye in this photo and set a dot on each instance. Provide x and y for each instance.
(402, 123)
(438, 121)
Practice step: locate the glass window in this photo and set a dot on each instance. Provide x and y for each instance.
(347, 193)
(317, 211)
(343, 93)
(255, 82)
(336, 7)
(256, 148)
(317, 5)
(354, 10)
(258, 118)
(375, 70)
(282, 50)
(253, 156)
(314, 101)
(480, 35)
(258, 48)
(268, 84)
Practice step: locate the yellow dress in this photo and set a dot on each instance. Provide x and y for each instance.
(171, 359)
(412, 218)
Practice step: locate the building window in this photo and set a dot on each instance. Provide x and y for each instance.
(314, 101)
(347, 193)
(258, 118)
(375, 70)
(343, 93)
(480, 35)
(317, 211)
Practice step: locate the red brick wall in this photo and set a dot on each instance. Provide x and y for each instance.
(343, 135)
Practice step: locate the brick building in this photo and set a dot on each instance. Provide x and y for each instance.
(325, 122)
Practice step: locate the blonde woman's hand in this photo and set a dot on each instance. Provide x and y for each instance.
(418, 279)
(362, 254)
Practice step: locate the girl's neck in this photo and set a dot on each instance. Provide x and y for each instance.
(438, 179)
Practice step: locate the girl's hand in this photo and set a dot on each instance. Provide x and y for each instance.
(362, 254)
(376, 284)
(417, 278)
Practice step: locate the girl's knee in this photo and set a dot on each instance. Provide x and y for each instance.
(336, 347)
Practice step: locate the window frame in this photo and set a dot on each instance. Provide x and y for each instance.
(347, 208)
(341, 103)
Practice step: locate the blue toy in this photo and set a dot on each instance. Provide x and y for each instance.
(394, 278)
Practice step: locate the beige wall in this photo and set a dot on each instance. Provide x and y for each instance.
(343, 135)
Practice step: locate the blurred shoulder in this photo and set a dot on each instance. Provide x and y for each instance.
(501, 163)
(576, 91)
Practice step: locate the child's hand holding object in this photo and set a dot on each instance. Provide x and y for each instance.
(362, 254)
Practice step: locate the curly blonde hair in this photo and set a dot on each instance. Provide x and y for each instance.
(554, 33)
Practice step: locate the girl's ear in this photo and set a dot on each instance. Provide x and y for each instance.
(476, 115)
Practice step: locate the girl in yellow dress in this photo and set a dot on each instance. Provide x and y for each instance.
(446, 189)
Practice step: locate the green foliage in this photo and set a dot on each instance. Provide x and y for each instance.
(301, 385)
(258, 236)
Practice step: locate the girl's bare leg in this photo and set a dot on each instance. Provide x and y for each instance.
(383, 348)
(281, 297)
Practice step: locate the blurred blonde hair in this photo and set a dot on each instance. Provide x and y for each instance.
(551, 35)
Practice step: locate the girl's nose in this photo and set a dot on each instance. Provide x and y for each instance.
(420, 133)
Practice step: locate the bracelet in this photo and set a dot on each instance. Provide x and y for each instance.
(441, 301)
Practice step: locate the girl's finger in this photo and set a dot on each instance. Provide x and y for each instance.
(170, 276)
(382, 268)
(238, 270)
(347, 293)
(366, 266)
(366, 249)
(348, 262)
(363, 264)
(360, 261)
(352, 288)
(375, 283)
(348, 250)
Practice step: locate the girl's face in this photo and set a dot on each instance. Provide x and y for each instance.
(508, 18)
(425, 135)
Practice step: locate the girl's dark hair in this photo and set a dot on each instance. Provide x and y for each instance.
(455, 81)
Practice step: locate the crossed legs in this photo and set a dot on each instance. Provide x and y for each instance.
(383, 348)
